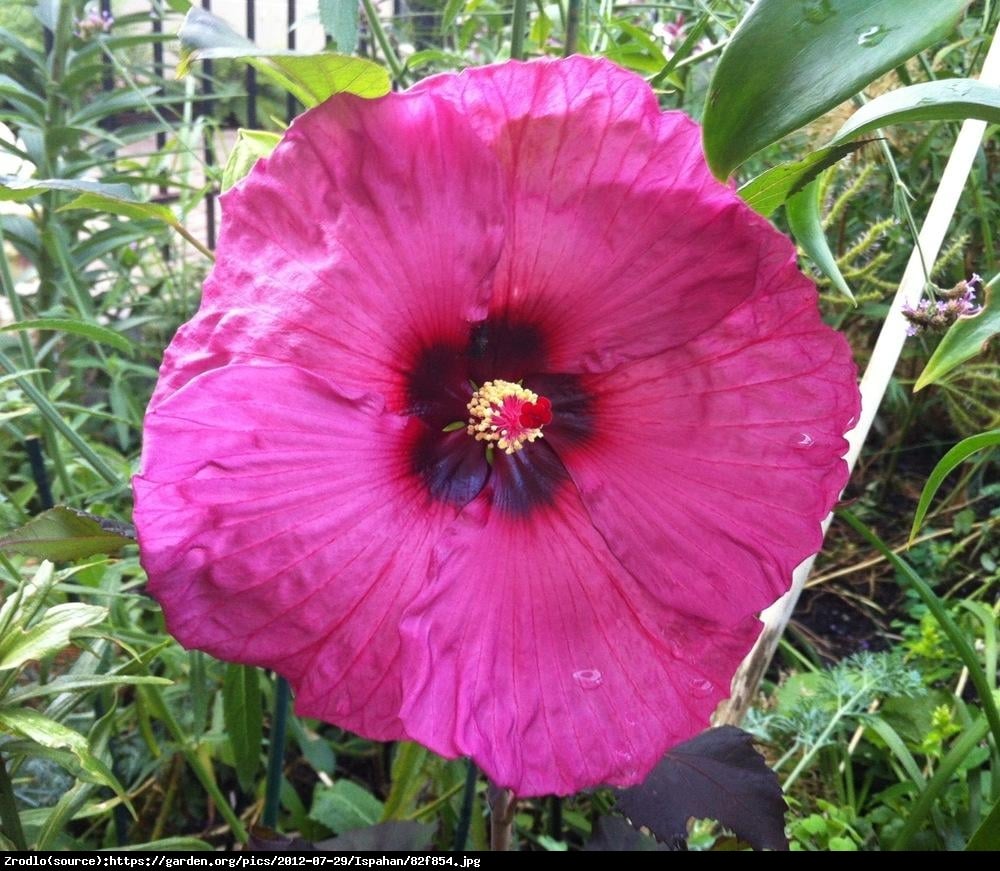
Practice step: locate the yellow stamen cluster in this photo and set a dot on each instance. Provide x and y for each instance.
(490, 421)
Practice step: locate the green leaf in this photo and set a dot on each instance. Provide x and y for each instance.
(49, 635)
(101, 335)
(957, 455)
(20, 189)
(345, 806)
(320, 76)
(965, 338)
(802, 211)
(407, 779)
(946, 100)
(75, 685)
(770, 189)
(340, 22)
(64, 534)
(20, 606)
(310, 78)
(790, 62)
(251, 145)
(244, 717)
(179, 843)
(987, 836)
(55, 736)
(125, 206)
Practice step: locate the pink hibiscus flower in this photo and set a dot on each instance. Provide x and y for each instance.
(499, 422)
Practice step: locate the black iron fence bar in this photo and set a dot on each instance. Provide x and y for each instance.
(291, 104)
(207, 108)
(251, 73)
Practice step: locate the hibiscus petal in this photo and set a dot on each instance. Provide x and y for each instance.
(710, 467)
(371, 230)
(281, 525)
(619, 239)
(536, 653)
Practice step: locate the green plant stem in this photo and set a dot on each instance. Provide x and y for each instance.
(391, 58)
(49, 411)
(276, 753)
(31, 361)
(518, 24)
(948, 626)
(184, 233)
(9, 815)
(902, 197)
(823, 738)
(937, 784)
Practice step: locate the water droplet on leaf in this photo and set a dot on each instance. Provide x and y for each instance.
(870, 36)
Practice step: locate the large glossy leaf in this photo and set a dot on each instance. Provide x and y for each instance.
(802, 211)
(64, 534)
(965, 338)
(790, 61)
(947, 100)
(311, 78)
(955, 457)
(48, 635)
(717, 775)
(244, 717)
(766, 192)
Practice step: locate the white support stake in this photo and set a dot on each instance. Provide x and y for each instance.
(874, 383)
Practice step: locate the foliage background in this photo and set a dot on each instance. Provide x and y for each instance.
(115, 736)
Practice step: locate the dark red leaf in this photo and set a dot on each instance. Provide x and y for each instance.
(717, 775)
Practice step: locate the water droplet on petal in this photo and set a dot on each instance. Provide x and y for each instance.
(588, 678)
(804, 440)
(701, 687)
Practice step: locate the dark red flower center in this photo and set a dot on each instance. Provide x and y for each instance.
(441, 386)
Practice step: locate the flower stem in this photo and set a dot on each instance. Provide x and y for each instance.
(517, 27)
(276, 753)
(391, 58)
(502, 808)
(9, 817)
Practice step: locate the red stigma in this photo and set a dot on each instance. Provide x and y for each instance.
(536, 414)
